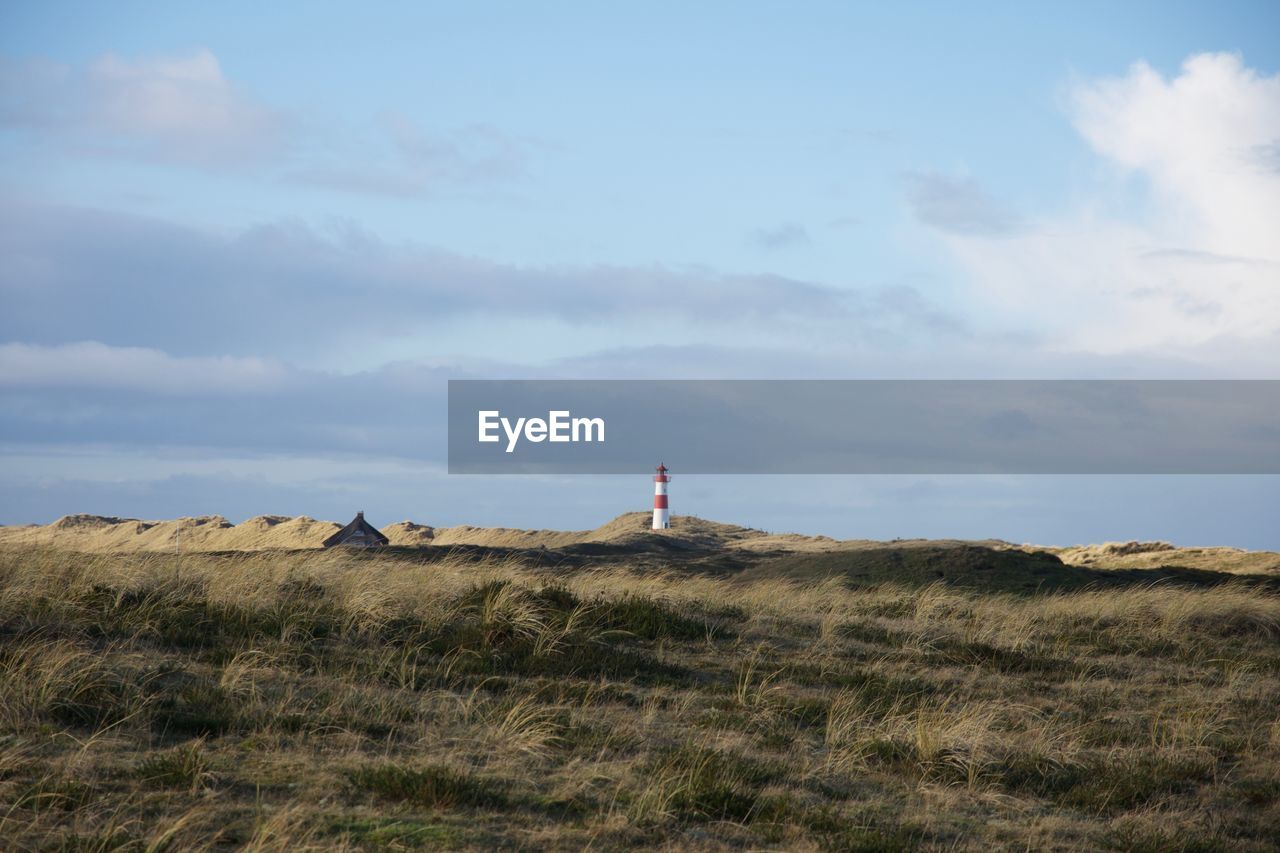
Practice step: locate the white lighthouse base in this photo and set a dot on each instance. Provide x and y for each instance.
(661, 519)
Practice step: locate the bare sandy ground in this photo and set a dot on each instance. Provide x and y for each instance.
(95, 533)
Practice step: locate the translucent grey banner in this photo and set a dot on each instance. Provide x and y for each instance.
(865, 426)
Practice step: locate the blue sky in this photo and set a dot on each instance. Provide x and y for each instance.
(242, 246)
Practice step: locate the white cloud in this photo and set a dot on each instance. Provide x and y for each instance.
(184, 109)
(1197, 138)
(183, 98)
(90, 364)
(1199, 265)
(173, 108)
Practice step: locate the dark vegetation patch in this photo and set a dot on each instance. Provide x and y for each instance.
(1148, 839)
(429, 787)
(1257, 791)
(706, 784)
(877, 690)
(948, 652)
(876, 634)
(495, 632)
(652, 620)
(99, 698)
(977, 567)
(870, 837)
(194, 706)
(1114, 784)
(187, 620)
(50, 793)
(969, 566)
(184, 767)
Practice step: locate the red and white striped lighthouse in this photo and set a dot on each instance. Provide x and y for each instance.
(661, 515)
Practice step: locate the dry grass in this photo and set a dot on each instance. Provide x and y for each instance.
(284, 701)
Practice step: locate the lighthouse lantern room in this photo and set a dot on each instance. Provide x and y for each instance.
(661, 514)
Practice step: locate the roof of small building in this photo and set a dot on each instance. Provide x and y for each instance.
(357, 524)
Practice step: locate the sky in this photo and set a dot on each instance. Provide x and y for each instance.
(244, 246)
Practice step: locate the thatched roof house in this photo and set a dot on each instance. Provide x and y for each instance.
(358, 534)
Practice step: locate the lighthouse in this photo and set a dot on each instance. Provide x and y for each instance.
(661, 515)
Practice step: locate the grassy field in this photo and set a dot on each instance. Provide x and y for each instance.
(284, 701)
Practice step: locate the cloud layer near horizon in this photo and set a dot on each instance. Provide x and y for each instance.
(70, 275)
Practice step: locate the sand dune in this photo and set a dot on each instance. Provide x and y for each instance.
(215, 533)
(202, 533)
(1148, 555)
(96, 533)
